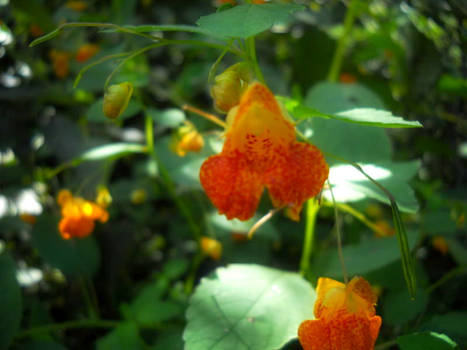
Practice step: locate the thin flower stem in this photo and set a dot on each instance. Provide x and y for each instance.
(190, 281)
(385, 345)
(312, 207)
(167, 180)
(93, 314)
(203, 114)
(262, 221)
(359, 216)
(53, 327)
(459, 270)
(339, 236)
(251, 49)
(342, 43)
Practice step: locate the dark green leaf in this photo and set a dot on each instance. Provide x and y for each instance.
(399, 309)
(43, 345)
(426, 341)
(247, 307)
(246, 20)
(73, 256)
(451, 323)
(10, 300)
(125, 336)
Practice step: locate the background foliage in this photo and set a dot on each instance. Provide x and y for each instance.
(140, 281)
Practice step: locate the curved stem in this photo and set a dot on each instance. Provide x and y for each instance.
(342, 43)
(312, 208)
(459, 270)
(251, 49)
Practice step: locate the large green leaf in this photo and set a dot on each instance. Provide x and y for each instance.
(451, 323)
(10, 300)
(246, 20)
(74, 256)
(426, 341)
(361, 258)
(125, 336)
(362, 116)
(247, 307)
(399, 309)
(350, 185)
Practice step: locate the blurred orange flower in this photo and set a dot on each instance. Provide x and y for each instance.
(211, 247)
(60, 63)
(186, 139)
(76, 5)
(86, 51)
(260, 151)
(78, 215)
(345, 317)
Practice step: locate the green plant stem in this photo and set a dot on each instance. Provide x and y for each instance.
(190, 281)
(92, 309)
(342, 43)
(459, 270)
(359, 216)
(167, 180)
(251, 50)
(54, 327)
(312, 208)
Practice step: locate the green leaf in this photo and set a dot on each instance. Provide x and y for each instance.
(125, 336)
(96, 114)
(362, 116)
(112, 150)
(246, 20)
(398, 309)
(43, 345)
(361, 258)
(171, 117)
(10, 300)
(349, 185)
(426, 341)
(74, 256)
(451, 323)
(247, 307)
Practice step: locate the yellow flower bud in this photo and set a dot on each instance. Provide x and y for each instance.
(211, 247)
(103, 197)
(116, 99)
(138, 196)
(186, 139)
(229, 86)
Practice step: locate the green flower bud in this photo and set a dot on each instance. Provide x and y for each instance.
(116, 99)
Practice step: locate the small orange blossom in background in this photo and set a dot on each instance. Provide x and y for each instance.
(345, 317)
(78, 215)
(261, 150)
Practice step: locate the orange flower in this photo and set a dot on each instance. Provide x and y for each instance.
(76, 5)
(261, 150)
(211, 247)
(86, 51)
(345, 317)
(78, 215)
(60, 63)
(186, 139)
(439, 243)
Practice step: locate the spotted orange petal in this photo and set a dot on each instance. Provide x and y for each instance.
(298, 174)
(231, 186)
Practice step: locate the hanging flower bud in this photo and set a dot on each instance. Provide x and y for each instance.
(186, 139)
(116, 99)
(211, 247)
(103, 198)
(229, 86)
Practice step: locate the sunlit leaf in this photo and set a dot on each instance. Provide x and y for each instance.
(363, 116)
(247, 20)
(426, 341)
(10, 300)
(451, 323)
(125, 336)
(111, 150)
(247, 307)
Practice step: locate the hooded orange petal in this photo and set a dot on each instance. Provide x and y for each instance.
(345, 317)
(75, 227)
(232, 188)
